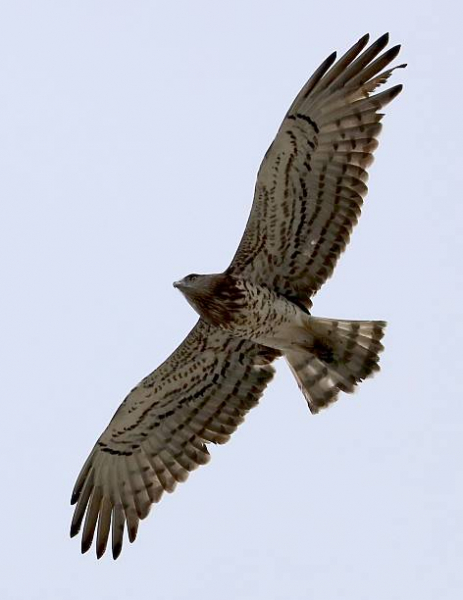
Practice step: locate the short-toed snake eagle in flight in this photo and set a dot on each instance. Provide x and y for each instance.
(308, 196)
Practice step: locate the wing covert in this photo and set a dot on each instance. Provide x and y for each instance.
(200, 394)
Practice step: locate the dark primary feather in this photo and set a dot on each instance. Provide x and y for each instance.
(312, 181)
(200, 394)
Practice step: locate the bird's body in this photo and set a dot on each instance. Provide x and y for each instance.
(308, 196)
(331, 353)
(242, 308)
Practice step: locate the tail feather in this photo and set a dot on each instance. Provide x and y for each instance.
(336, 357)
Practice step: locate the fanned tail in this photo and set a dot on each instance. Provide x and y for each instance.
(338, 355)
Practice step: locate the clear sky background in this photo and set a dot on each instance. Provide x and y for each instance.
(131, 134)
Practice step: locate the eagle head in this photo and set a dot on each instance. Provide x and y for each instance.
(214, 297)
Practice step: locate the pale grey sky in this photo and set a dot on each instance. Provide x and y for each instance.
(131, 134)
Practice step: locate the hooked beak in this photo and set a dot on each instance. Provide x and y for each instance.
(179, 285)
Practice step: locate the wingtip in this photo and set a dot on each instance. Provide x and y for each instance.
(117, 549)
(383, 39)
(393, 52)
(331, 58)
(363, 41)
(75, 528)
(379, 44)
(132, 533)
(85, 545)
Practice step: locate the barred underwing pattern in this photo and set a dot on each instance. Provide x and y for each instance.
(308, 196)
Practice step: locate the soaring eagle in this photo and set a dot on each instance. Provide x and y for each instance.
(308, 196)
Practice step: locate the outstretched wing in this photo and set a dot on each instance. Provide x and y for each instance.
(200, 394)
(312, 181)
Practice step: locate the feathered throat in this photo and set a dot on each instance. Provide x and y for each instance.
(218, 301)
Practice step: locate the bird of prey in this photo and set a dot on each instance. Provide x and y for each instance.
(308, 196)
